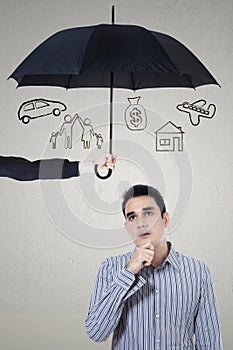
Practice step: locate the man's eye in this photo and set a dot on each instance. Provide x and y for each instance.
(132, 218)
(149, 213)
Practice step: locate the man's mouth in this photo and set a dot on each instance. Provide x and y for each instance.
(144, 234)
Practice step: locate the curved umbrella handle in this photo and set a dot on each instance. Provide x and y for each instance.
(102, 177)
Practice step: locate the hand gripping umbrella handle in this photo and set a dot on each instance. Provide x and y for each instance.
(102, 177)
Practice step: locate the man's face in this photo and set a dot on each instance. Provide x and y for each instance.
(144, 222)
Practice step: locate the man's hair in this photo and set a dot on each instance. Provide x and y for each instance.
(144, 190)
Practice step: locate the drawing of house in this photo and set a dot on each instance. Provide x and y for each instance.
(169, 138)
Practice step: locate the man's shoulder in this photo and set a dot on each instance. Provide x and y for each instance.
(119, 257)
(117, 260)
(191, 262)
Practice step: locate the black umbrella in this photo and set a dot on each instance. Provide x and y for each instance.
(115, 56)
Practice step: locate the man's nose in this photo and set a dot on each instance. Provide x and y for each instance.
(141, 222)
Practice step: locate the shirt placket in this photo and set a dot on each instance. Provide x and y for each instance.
(157, 315)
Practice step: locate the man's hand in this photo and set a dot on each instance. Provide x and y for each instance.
(142, 256)
(105, 162)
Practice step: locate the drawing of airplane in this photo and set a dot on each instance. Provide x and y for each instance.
(196, 110)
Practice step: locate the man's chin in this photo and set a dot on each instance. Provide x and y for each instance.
(141, 240)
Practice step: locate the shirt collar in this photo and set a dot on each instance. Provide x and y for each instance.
(173, 257)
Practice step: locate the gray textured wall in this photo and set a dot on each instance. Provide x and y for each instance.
(54, 235)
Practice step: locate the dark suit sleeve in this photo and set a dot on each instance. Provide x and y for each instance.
(25, 170)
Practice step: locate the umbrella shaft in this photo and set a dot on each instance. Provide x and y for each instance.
(111, 95)
(111, 114)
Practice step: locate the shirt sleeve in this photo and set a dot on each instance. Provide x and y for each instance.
(112, 288)
(207, 327)
(25, 170)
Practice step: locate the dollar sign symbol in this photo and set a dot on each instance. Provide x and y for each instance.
(136, 118)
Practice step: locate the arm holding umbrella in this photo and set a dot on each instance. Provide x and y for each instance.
(25, 170)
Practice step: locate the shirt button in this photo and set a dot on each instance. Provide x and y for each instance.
(157, 291)
(157, 340)
(157, 315)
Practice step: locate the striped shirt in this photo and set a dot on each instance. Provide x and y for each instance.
(169, 307)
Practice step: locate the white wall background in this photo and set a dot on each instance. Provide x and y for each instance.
(55, 234)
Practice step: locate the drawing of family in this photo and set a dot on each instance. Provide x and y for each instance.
(88, 133)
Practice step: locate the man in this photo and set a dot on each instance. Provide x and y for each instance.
(153, 297)
(25, 170)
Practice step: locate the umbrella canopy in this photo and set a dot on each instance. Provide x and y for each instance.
(137, 57)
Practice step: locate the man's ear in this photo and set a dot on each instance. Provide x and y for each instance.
(166, 219)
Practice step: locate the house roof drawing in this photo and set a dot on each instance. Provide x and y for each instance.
(170, 128)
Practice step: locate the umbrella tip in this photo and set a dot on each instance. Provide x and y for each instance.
(113, 14)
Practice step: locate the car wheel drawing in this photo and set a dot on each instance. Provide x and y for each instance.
(25, 119)
(56, 112)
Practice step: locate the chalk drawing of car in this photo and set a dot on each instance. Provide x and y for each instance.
(38, 108)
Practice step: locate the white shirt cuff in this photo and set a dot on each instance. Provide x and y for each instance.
(86, 167)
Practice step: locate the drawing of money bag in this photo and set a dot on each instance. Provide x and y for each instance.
(135, 115)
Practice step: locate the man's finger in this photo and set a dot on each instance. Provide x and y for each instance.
(148, 246)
